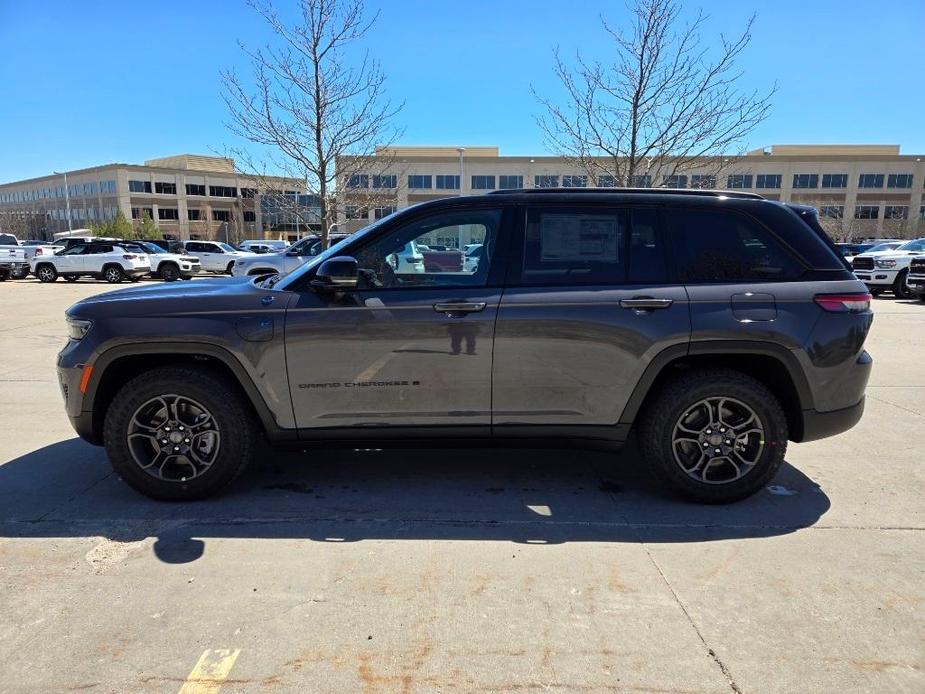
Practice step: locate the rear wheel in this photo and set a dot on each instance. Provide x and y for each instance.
(46, 273)
(900, 290)
(179, 434)
(169, 272)
(113, 274)
(715, 436)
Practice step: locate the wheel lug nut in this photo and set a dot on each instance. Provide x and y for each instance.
(181, 428)
(716, 450)
(163, 440)
(176, 448)
(708, 432)
(706, 444)
(185, 440)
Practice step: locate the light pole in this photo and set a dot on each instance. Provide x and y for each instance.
(461, 176)
(67, 197)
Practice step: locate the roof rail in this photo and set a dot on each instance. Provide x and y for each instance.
(633, 191)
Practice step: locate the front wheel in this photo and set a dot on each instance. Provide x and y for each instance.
(179, 433)
(169, 272)
(113, 274)
(715, 436)
(229, 268)
(900, 289)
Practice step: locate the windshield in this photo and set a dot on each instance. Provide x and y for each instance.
(917, 245)
(882, 247)
(228, 249)
(293, 277)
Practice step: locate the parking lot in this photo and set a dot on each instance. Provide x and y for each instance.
(462, 570)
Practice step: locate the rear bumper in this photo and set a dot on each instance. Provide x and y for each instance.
(138, 272)
(819, 425)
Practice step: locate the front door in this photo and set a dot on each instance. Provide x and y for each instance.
(69, 260)
(410, 347)
(588, 306)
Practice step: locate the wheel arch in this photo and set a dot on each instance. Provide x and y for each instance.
(117, 365)
(771, 364)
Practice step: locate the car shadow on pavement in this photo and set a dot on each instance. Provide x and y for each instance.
(546, 496)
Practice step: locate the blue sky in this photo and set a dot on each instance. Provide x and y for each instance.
(87, 83)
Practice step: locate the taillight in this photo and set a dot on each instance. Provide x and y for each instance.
(843, 303)
(38, 252)
(128, 256)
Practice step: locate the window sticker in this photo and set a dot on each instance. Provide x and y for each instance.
(578, 237)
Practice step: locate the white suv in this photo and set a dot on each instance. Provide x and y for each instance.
(165, 265)
(284, 261)
(102, 259)
(886, 270)
(214, 256)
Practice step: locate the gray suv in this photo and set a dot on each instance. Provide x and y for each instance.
(715, 326)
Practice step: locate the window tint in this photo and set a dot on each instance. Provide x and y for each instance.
(648, 263)
(399, 260)
(565, 246)
(722, 246)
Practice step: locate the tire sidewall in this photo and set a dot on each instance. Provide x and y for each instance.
(213, 393)
(680, 400)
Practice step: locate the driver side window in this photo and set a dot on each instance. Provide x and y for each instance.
(429, 252)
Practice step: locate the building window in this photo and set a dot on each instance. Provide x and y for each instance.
(675, 181)
(896, 212)
(866, 211)
(703, 181)
(510, 182)
(163, 188)
(223, 191)
(574, 181)
(447, 182)
(834, 180)
(483, 183)
(545, 181)
(221, 215)
(832, 211)
(167, 213)
(250, 216)
(644, 181)
(141, 212)
(899, 181)
(867, 180)
(137, 186)
(358, 181)
(606, 181)
(805, 180)
(420, 181)
(195, 189)
(768, 181)
(381, 212)
(739, 181)
(106, 188)
(357, 212)
(385, 181)
(193, 215)
(248, 192)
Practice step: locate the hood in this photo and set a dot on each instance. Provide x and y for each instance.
(888, 254)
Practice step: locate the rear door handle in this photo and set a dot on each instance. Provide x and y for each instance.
(459, 307)
(645, 303)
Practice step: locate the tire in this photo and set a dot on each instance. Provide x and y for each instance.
(113, 274)
(228, 269)
(900, 290)
(169, 272)
(186, 278)
(71, 278)
(680, 402)
(46, 273)
(228, 411)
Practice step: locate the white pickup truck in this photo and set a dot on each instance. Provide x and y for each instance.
(887, 270)
(13, 263)
(30, 249)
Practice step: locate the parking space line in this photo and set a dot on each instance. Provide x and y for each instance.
(210, 671)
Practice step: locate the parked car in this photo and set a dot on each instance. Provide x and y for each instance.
(30, 249)
(851, 249)
(13, 263)
(214, 256)
(272, 263)
(473, 255)
(886, 270)
(915, 280)
(717, 326)
(264, 246)
(166, 266)
(101, 259)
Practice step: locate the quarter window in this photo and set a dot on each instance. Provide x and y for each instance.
(720, 246)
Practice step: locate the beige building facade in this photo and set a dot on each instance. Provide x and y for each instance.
(861, 190)
(187, 196)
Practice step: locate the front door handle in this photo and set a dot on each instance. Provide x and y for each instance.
(645, 303)
(459, 307)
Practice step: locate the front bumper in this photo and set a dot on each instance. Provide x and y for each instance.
(876, 277)
(916, 284)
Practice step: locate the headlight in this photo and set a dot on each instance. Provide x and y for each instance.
(884, 264)
(77, 328)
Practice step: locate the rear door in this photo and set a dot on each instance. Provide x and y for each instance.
(588, 304)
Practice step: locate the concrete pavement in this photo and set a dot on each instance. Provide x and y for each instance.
(487, 570)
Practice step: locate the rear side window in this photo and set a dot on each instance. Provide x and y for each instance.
(723, 246)
(568, 247)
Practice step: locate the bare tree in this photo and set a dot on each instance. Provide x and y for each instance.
(661, 105)
(307, 108)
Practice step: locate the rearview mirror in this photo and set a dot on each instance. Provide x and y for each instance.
(337, 273)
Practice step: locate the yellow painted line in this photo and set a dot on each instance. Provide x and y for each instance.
(210, 672)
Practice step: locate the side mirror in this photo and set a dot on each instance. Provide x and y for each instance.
(337, 273)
